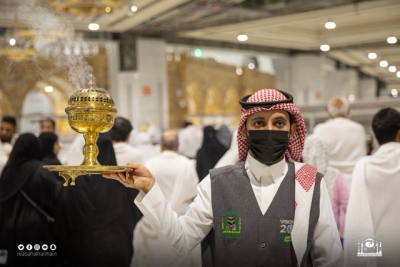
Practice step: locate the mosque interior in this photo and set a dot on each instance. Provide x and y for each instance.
(165, 61)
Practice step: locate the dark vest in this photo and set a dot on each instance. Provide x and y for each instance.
(242, 235)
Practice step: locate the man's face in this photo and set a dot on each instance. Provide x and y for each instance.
(46, 126)
(7, 131)
(275, 120)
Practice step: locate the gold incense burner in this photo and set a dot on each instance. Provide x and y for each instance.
(90, 112)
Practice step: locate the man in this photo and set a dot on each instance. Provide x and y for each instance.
(47, 125)
(344, 139)
(124, 152)
(190, 140)
(372, 236)
(8, 128)
(177, 178)
(281, 208)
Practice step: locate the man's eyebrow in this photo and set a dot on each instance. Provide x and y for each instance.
(281, 117)
(258, 117)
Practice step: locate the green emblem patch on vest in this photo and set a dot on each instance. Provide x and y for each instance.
(286, 230)
(231, 225)
(287, 239)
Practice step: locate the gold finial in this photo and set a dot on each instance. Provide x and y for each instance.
(91, 82)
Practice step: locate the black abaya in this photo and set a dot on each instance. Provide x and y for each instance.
(20, 222)
(209, 153)
(98, 217)
(48, 140)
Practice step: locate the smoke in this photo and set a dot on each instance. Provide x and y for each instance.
(53, 36)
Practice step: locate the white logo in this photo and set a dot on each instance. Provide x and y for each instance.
(20, 247)
(45, 247)
(29, 247)
(37, 247)
(53, 247)
(369, 248)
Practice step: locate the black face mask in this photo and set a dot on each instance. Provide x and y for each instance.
(268, 146)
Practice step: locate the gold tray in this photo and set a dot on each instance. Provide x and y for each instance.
(72, 172)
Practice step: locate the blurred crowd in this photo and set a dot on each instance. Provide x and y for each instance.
(96, 223)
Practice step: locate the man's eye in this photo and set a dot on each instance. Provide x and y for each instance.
(258, 123)
(280, 123)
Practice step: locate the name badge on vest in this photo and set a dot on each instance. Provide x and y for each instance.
(231, 225)
(286, 230)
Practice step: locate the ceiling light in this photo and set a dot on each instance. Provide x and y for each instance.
(394, 92)
(392, 69)
(48, 89)
(133, 8)
(372, 55)
(251, 65)
(330, 25)
(383, 64)
(197, 52)
(392, 40)
(94, 26)
(325, 47)
(242, 37)
(108, 9)
(12, 41)
(351, 97)
(398, 74)
(239, 71)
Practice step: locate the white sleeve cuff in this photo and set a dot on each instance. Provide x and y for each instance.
(151, 200)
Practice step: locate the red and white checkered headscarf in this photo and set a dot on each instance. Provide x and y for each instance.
(296, 144)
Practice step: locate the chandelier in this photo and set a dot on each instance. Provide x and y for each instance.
(22, 44)
(74, 47)
(88, 8)
(18, 44)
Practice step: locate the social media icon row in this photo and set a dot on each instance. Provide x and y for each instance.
(37, 247)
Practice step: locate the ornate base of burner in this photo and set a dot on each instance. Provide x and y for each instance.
(72, 172)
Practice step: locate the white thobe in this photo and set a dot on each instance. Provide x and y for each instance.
(5, 150)
(190, 139)
(185, 232)
(125, 153)
(74, 155)
(373, 209)
(177, 179)
(345, 141)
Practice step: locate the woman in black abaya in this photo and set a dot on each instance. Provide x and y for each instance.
(27, 195)
(209, 153)
(50, 148)
(97, 217)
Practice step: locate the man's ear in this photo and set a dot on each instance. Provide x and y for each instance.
(243, 132)
(398, 136)
(292, 130)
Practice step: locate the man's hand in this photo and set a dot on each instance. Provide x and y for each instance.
(140, 177)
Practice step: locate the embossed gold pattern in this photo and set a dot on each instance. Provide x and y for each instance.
(90, 112)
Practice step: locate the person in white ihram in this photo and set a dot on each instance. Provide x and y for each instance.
(177, 178)
(190, 140)
(120, 134)
(373, 208)
(344, 139)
